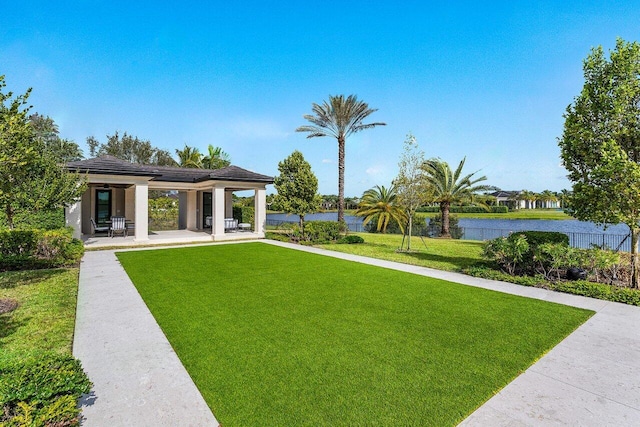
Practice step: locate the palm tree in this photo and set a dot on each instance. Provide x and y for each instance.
(339, 118)
(216, 158)
(450, 188)
(189, 157)
(379, 203)
(547, 197)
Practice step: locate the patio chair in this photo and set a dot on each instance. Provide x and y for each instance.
(230, 224)
(118, 226)
(95, 229)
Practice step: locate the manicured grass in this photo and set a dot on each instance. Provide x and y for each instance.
(443, 254)
(275, 336)
(45, 317)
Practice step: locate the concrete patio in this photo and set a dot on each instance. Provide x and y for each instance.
(168, 237)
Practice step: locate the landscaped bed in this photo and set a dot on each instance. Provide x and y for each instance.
(274, 336)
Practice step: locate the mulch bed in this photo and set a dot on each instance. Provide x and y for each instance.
(7, 305)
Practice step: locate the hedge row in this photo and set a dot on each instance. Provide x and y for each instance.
(465, 209)
(42, 392)
(244, 214)
(579, 287)
(34, 249)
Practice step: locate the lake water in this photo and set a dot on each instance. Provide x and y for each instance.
(581, 234)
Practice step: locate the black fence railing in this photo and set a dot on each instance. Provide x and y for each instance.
(620, 242)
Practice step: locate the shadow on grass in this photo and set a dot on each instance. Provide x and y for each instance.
(459, 261)
(12, 279)
(8, 325)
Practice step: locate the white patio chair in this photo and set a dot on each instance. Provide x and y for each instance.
(118, 226)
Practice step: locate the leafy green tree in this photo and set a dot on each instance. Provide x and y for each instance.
(412, 188)
(600, 143)
(46, 131)
(189, 157)
(380, 204)
(131, 149)
(339, 118)
(449, 187)
(215, 158)
(30, 179)
(297, 187)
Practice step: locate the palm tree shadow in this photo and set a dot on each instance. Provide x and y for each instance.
(9, 325)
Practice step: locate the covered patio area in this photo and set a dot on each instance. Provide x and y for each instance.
(117, 188)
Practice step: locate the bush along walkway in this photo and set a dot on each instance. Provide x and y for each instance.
(138, 379)
(588, 379)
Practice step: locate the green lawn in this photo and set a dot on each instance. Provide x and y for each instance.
(275, 336)
(45, 317)
(443, 254)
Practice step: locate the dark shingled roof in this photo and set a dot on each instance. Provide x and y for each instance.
(109, 165)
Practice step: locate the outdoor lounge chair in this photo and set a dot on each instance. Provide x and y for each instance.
(230, 224)
(95, 229)
(118, 226)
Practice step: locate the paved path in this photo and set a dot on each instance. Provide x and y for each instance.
(138, 379)
(591, 378)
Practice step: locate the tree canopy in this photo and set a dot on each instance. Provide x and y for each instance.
(131, 149)
(339, 118)
(297, 187)
(46, 131)
(380, 204)
(450, 187)
(30, 178)
(600, 143)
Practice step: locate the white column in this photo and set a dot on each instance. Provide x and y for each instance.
(218, 202)
(73, 218)
(260, 211)
(142, 212)
(192, 210)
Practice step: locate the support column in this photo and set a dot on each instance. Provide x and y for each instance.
(73, 218)
(192, 210)
(260, 211)
(142, 212)
(218, 204)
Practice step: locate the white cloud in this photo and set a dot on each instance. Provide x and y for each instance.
(327, 161)
(373, 170)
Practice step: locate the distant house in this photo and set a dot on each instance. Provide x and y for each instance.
(120, 188)
(518, 200)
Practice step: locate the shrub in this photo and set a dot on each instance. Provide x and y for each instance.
(43, 391)
(32, 249)
(350, 239)
(277, 236)
(536, 238)
(322, 231)
(507, 252)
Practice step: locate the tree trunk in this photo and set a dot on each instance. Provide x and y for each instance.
(444, 209)
(409, 241)
(635, 232)
(9, 213)
(341, 141)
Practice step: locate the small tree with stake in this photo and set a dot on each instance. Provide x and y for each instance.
(297, 187)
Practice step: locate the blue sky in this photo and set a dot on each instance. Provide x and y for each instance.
(485, 80)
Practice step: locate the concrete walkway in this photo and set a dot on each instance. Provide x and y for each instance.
(590, 379)
(138, 378)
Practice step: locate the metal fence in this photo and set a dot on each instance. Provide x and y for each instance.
(621, 242)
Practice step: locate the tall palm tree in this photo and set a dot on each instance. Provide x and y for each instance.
(380, 203)
(449, 187)
(547, 197)
(215, 158)
(339, 118)
(189, 157)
